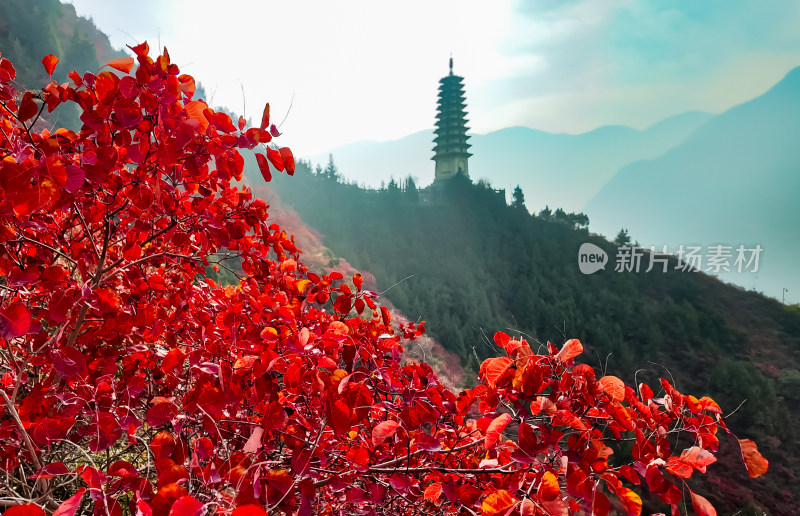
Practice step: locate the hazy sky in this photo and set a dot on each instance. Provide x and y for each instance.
(355, 70)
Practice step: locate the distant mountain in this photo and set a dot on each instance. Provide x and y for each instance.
(735, 180)
(559, 170)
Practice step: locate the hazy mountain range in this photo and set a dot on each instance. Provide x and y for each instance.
(734, 180)
(559, 170)
(694, 178)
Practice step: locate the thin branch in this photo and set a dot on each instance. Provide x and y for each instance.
(25, 437)
(86, 230)
(51, 249)
(310, 455)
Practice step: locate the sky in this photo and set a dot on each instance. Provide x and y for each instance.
(340, 72)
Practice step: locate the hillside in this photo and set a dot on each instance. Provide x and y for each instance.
(32, 29)
(735, 180)
(559, 170)
(470, 265)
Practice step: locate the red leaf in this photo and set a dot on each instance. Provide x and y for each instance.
(132, 253)
(221, 121)
(142, 49)
(17, 277)
(400, 482)
(528, 379)
(15, 321)
(358, 457)
(613, 387)
(263, 165)
(76, 78)
(174, 358)
(162, 445)
(501, 339)
(498, 503)
(358, 281)
(187, 506)
(47, 430)
(123, 64)
(28, 509)
(249, 510)
(384, 431)
(129, 114)
(68, 361)
(343, 304)
(340, 417)
(163, 411)
(264, 118)
(253, 444)
(543, 404)
(702, 506)
(188, 86)
(70, 506)
(427, 442)
(288, 160)
(75, 178)
(49, 61)
(492, 369)
(645, 392)
(165, 497)
(756, 464)
(275, 158)
(27, 107)
(195, 110)
(630, 500)
(433, 491)
(557, 507)
(585, 371)
(157, 283)
(169, 472)
(33, 197)
(600, 504)
(54, 469)
(122, 468)
(495, 428)
(107, 300)
(690, 459)
(572, 348)
(548, 488)
(527, 507)
(7, 71)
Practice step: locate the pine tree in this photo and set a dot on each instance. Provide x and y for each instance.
(518, 199)
(331, 173)
(622, 238)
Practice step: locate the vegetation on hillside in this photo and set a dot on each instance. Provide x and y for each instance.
(459, 258)
(32, 29)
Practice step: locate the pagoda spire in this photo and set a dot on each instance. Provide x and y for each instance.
(450, 144)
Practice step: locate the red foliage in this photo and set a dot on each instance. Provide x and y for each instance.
(131, 377)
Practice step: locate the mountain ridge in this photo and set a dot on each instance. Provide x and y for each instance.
(735, 180)
(555, 169)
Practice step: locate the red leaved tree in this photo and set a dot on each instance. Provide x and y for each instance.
(134, 384)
